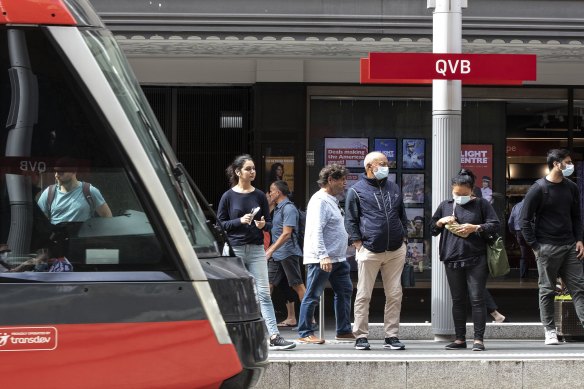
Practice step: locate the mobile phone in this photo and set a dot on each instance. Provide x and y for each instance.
(254, 211)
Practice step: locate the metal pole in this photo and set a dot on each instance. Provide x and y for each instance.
(321, 316)
(446, 139)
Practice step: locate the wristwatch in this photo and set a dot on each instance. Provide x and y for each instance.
(479, 229)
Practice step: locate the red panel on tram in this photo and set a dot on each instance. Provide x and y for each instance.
(120, 355)
(52, 12)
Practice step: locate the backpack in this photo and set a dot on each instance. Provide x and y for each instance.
(300, 226)
(86, 193)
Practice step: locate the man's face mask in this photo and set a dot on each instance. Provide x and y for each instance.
(568, 170)
(381, 172)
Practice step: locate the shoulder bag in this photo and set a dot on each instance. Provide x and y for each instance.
(496, 254)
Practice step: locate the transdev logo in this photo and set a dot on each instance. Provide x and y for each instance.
(28, 338)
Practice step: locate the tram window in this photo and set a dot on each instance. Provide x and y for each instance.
(73, 232)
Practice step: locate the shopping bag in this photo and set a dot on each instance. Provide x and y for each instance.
(497, 258)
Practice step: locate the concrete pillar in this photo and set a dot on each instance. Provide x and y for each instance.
(446, 136)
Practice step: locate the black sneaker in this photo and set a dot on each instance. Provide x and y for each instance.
(478, 347)
(362, 344)
(394, 344)
(279, 343)
(455, 346)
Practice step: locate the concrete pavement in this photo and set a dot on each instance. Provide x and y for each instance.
(507, 363)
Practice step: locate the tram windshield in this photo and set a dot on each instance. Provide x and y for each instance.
(130, 95)
(70, 199)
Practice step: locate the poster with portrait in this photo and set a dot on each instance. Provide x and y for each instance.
(415, 223)
(415, 255)
(413, 188)
(349, 152)
(389, 148)
(279, 168)
(413, 153)
(479, 159)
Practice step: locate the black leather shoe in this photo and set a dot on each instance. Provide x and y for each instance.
(455, 346)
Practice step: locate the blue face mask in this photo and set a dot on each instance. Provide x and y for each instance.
(381, 173)
(568, 170)
(461, 200)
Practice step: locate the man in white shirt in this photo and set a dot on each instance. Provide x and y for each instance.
(325, 247)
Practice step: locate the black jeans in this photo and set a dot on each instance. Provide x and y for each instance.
(469, 283)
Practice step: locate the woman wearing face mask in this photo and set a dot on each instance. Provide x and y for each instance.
(463, 252)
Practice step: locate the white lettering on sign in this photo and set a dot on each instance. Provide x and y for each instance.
(28, 338)
(444, 66)
(38, 166)
(473, 156)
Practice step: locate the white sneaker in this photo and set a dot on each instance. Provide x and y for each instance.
(551, 337)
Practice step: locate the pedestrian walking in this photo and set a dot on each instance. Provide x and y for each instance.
(244, 213)
(551, 224)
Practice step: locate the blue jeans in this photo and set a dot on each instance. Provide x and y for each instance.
(254, 257)
(343, 289)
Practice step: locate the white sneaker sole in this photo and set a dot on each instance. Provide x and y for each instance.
(394, 347)
(362, 347)
(288, 347)
(552, 342)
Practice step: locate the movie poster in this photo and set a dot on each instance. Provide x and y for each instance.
(280, 168)
(349, 152)
(479, 159)
(389, 148)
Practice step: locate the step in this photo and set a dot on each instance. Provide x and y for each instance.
(426, 364)
(423, 331)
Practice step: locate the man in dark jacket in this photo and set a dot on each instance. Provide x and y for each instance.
(514, 224)
(555, 237)
(376, 221)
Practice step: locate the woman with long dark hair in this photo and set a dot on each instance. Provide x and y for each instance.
(276, 172)
(244, 213)
(464, 253)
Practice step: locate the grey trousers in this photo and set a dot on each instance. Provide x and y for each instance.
(553, 261)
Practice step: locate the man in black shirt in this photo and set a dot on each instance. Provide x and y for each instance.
(552, 226)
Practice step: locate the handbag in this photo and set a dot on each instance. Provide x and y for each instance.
(496, 255)
(408, 279)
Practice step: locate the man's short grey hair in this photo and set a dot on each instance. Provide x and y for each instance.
(371, 157)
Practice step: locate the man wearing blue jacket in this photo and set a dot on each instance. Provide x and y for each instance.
(376, 222)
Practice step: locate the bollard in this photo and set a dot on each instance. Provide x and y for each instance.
(321, 316)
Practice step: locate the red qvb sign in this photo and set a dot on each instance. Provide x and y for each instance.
(422, 68)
